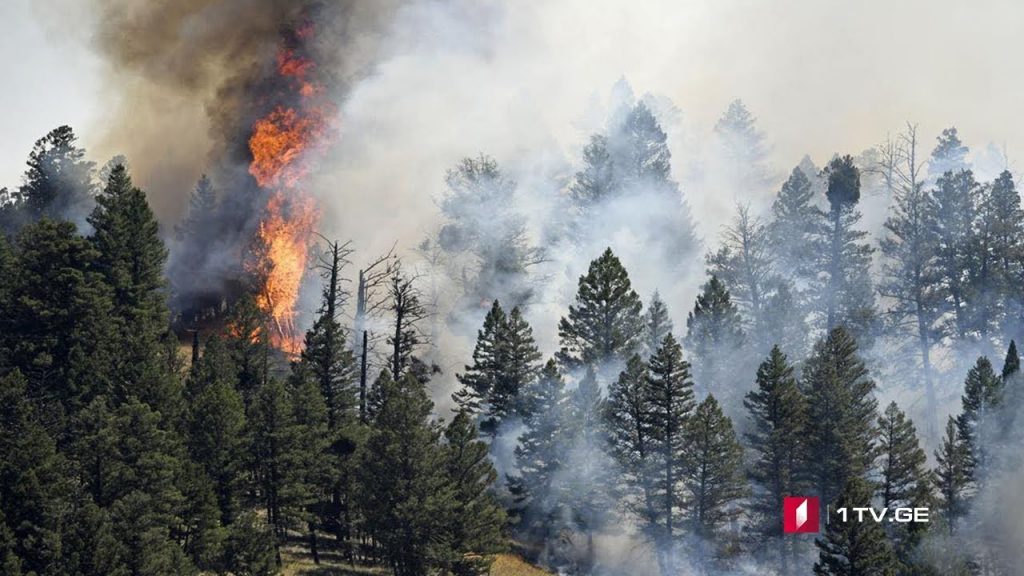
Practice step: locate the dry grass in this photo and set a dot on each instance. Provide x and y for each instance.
(512, 565)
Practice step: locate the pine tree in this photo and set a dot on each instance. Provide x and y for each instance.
(1002, 221)
(541, 455)
(841, 414)
(657, 324)
(131, 259)
(587, 477)
(851, 547)
(216, 426)
(407, 495)
(949, 155)
(714, 478)
(975, 424)
(912, 280)
(794, 221)
(477, 520)
(521, 367)
(246, 338)
(843, 295)
(627, 417)
(604, 326)
(138, 465)
(714, 337)
(744, 264)
(479, 379)
(779, 416)
(905, 482)
(952, 475)
(326, 356)
(56, 328)
(596, 181)
(32, 483)
(202, 206)
(505, 362)
(312, 479)
(901, 459)
(58, 182)
(481, 224)
(278, 445)
(671, 404)
(954, 195)
(250, 547)
(743, 144)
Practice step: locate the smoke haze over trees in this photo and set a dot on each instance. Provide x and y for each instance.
(601, 335)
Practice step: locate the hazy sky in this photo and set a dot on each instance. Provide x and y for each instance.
(822, 76)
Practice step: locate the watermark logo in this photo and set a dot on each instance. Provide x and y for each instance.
(800, 515)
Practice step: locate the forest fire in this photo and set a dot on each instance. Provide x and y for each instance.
(282, 143)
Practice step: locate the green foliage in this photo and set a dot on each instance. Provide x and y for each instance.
(714, 477)
(854, 548)
(505, 362)
(605, 325)
(778, 413)
(841, 414)
(58, 182)
(714, 337)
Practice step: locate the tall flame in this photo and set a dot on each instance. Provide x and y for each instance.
(281, 145)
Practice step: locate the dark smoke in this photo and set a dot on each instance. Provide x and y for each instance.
(193, 77)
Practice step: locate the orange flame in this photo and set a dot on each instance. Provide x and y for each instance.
(281, 144)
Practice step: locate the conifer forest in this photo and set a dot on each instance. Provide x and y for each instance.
(371, 288)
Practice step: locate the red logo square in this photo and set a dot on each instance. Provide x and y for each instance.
(800, 515)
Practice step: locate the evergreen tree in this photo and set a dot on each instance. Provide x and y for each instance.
(949, 155)
(326, 356)
(482, 225)
(779, 419)
(744, 264)
(32, 484)
(479, 379)
(714, 478)
(795, 219)
(905, 482)
(216, 426)
(983, 391)
(657, 324)
(841, 414)
(671, 404)
(715, 338)
(278, 438)
(843, 294)
(912, 280)
(505, 362)
(901, 459)
(785, 322)
(541, 455)
(136, 466)
(596, 181)
(851, 547)
(1002, 223)
(952, 475)
(743, 145)
(131, 257)
(522, 363)
(56, 328)
(246, 339)
(202, 207)
(605, 325)
(407, 495)
(476, 521)
(58, 182)
(627, 417)
(587, 476)
(954, 195)
(250, 547)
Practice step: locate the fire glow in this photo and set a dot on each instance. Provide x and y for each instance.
(282, 144)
